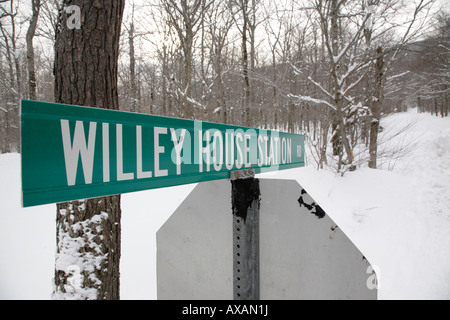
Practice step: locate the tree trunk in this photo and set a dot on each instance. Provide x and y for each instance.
(220, 85)
(10, 96)
(338, 99)
(376, 109)
(245, 66)
(165, 75)
(15, 55)
(254, 110)
(188, 107)
(325, 127)
(88, 231)
(134, 103)
(35, 7)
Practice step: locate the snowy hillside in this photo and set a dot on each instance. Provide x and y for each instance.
(398, 218)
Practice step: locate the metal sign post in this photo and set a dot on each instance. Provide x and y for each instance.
(245, 203)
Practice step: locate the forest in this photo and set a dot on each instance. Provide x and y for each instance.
(330, 69)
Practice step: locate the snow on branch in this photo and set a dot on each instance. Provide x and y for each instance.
(190, 100)
(312, 100)
(444, 47)
(397, 76)
(353, 85)
(198, 104)
(320, 87)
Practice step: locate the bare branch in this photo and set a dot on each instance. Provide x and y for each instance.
(312, 100)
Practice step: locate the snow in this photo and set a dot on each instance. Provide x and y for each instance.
(70, 258)
(399, 219)
(310, 99)
(143, 214)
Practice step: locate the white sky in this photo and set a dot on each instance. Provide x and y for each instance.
(143, 23)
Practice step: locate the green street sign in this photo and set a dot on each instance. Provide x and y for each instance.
(71, 152)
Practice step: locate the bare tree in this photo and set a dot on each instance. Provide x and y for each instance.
(374, 30)
(244, 13)
(35, 8)
(132, 84)
(357, 38)
(430, 69)
(131, 36)
(10, 33)
(48, 19)
(333, 17)
(220, 22)
(185, 16)
(14, 38)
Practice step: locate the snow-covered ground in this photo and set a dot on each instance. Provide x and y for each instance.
(398, 218)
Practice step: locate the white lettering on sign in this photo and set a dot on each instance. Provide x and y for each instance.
(178, 146)
(260, 150)
(204, 150)
(141, 174)
(247, 138)
(158, 150)
(106, 172)
(229, 149)
(232, 149)
(217, 151)
(239, 137)
(79, 147)
(121, 176)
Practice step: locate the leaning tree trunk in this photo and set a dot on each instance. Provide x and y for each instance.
(88, 231)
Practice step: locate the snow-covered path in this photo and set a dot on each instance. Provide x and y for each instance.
(428, 170)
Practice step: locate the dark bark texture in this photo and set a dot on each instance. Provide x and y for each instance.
(86, 59)
(86, 66)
